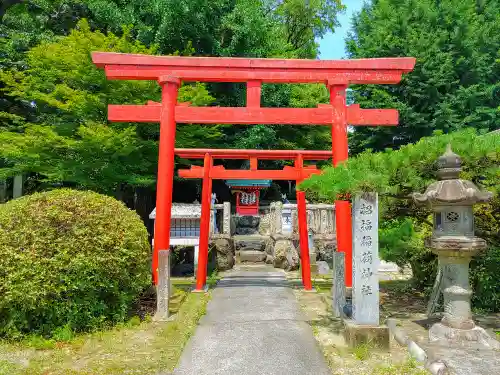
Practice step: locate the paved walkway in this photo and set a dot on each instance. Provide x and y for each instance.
(253, 326)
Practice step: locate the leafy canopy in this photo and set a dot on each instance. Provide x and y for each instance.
(456, 81)
(410, 169)
(68, 138)
(53, 100)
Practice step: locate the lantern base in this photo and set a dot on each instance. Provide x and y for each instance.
(475, 337)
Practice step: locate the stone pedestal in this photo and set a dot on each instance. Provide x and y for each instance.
(456, 326)
(163, 288)
(375, 336)
(457, 294)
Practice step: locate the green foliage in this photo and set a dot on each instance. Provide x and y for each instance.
(53, 99)
(402, 242)
(411, 168)
(398, 174)
(455, 83)
(485, 268)
(305, 21)
(67, 139)
(69, 261)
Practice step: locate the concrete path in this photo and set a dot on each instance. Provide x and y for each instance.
(253, 326)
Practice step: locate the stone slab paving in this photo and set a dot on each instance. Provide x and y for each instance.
(253, 326)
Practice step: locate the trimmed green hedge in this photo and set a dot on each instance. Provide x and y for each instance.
(69, 258)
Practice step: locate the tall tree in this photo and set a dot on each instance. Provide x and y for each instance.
(236, 28)
(456, 81)
(50, 90)
(67, 139)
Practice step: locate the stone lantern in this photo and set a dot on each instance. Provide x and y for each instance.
(454, 242)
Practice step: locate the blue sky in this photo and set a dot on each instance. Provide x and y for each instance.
(332, 46)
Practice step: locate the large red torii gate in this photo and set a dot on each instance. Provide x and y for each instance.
(169, 71)
(208, 172)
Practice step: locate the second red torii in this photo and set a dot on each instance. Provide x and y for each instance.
(208, 172)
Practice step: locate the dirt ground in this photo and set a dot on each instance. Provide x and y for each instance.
(342, 360)
(398, 300)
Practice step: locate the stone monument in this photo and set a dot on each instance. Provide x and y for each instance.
(338, 287)
(365, 289)
(453, 240)
(365, 325)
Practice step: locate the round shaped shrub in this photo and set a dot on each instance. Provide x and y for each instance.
(69, 258)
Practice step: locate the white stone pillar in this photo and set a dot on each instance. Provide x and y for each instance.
(365, 286)
(226, 223)
(196, 254)
(279, 218)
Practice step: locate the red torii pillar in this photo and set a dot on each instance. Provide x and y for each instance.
(170, 87)
(343, 217)
(297, 173)
(206, 207)
(168, 70)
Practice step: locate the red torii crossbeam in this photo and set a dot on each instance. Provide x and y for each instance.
(208, 172)
(170, 71)
(323, 115)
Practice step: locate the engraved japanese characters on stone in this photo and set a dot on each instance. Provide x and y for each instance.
(366, 209)
(366, 225)
(366, 273)
(367, 257)
(366, 241)
(365, 291)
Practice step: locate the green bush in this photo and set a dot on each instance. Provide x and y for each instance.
(402, 242)
(69, 258)
(396, 174)
(485, 267)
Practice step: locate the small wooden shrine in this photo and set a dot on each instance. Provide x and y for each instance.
(247, 195)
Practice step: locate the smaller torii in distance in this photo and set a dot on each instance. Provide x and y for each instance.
(209, 172)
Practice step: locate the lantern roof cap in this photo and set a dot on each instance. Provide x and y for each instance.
(450, 189)
(449, 165)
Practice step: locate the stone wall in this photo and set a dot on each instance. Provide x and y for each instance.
(222, 241)
(282, 248)
(321, 225)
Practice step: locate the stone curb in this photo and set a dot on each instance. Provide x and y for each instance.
(435, 367)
